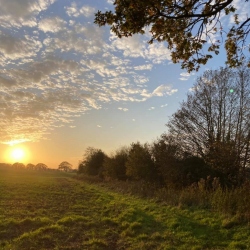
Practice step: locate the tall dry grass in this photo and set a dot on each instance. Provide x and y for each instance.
(205, 194)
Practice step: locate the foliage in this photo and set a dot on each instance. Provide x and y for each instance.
(195, 169)
(93, 162)
(30, 166)
(214, 121)
(18, 165)
(187, 27)
(208, 137)
(177, 169)
(140, 165)
(166, 155)
(65, 166)
(115, 166)
(41, 166)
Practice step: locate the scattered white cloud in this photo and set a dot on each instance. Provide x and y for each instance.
(87, 40)
(242, 9)
(164, 105)
(123, 109)
(140, 79)
(131, 46)
(133, 120)
(18, 13)
(99, 126)
(53, 69)
(136, 46)
(164, 90)
(76, 11)
(151, 108)
(12, 47)
(87, 11)
(144, 67)
(72, 10)
(53, 24)
(158, 53)
(184, 76)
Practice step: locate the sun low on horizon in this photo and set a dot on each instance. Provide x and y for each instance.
(17, 153)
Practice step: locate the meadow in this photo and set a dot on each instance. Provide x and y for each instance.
(54, 210)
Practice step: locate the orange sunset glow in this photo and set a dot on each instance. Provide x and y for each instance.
(68, 83)
(17, 153)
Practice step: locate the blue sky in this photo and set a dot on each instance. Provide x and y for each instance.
(67, 84)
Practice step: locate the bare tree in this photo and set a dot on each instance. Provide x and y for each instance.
(214, 121)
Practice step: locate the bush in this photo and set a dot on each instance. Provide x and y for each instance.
(93, 162)
(140, 165)
(115, 166)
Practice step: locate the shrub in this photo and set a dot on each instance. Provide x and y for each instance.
(93, 162)
(115, 166)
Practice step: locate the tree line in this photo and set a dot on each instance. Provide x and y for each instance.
(207, 138)
(63, 166)
(29, 166)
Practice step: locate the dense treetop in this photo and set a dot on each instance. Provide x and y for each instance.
(188, 27)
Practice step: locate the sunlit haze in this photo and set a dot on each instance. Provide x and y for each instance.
(66, 84)
(18, 153)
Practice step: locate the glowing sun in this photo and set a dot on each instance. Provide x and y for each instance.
(17, 154)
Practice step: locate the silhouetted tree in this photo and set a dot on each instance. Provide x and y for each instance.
(140, 165)
(30, 166)
(115, 166)
(65, 166)
(167, 155)
(18, 165)
(93, 162)
(41, 166)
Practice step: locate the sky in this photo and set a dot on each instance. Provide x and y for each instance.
(67, 84)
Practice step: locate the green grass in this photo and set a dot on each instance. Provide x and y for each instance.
(51, 210)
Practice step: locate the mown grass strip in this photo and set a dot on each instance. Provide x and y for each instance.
(55, 211)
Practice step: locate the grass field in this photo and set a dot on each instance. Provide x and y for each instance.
(52, 210)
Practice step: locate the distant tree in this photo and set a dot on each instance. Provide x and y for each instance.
(140, 165)
(5, 165)
(30, 166)
(65, 166)
(93, 162)
(18, 165)
(214, 122)
(115, 165)
(188, 26)
(41, 166)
